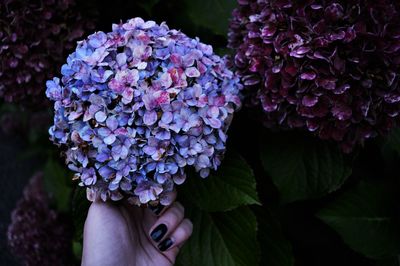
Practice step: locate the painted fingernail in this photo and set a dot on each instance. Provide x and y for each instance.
(166, 244)
(159, 232)
(157, 209)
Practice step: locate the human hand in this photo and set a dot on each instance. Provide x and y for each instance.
(134, 236)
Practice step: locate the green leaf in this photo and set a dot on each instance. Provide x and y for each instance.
(80, 208)
(302, 167)
(221, 239)
(391, 146)
(233, 185)
(395, 261)
(211, 14)
(222, 51)
(393, 140)
(276, 250)
(57, 184)
(147, 5)
(364, 218)
(77, 249)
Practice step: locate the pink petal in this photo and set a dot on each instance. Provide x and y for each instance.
(192, 72)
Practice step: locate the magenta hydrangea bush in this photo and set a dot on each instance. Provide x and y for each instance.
(34, 38)
(138, 105)
(37, 234)
(328, 67)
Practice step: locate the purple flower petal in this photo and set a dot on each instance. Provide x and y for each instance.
(98, 39)
(213, 112)
(100, 117)
(308, 75)
(112, 123)
(149, 150)
(104, 132)
(309, 101)
(150, 117)
(167, 117)
(215, 123)
(103, 156)
(192, 72)
(106, 172)
(110, 139)
(121, 131)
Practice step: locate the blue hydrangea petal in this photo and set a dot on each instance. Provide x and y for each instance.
(138, 105)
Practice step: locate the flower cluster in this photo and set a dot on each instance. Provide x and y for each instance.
(37, 234)
(135, 106)
(34, 38)
(329, 67)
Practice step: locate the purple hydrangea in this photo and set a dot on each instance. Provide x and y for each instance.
(39, 235)
(138, 105)
(329, 67)
(34, 38)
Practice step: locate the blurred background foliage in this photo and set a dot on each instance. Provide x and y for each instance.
(278, 199)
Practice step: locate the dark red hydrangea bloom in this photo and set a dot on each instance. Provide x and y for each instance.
(37, 234)
(35, 37)
(330, 67)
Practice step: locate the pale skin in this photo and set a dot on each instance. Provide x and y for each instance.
(121, 235)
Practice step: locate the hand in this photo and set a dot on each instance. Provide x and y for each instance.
(134, 236)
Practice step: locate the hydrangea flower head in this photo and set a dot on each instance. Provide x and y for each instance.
(34, 38)
(329, 67)
(37, 234)
(138, 105)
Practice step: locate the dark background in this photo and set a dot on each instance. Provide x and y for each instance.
(15, 171)
(314, 243)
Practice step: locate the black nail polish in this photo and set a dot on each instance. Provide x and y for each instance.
(159, 232)
(166, 244)
(156, 209)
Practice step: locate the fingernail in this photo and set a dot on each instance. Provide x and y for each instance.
(166, 244)
(159, 232)
(157, 209)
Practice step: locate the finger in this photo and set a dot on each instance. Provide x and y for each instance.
(157, 210)
(166, 200)
(167, 222)
(107, 219)
(172, 253)
(178, 237)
